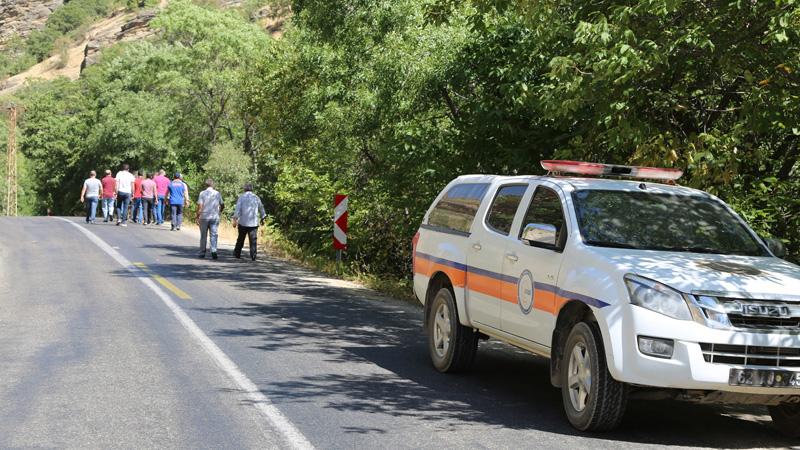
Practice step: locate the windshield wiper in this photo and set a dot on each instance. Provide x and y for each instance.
(701, 250)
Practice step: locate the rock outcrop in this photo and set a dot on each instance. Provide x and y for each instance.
(22, 17)
(136, 28)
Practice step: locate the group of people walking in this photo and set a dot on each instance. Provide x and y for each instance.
(148, 194)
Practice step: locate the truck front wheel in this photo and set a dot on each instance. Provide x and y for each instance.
(452, 346)
(593, 400)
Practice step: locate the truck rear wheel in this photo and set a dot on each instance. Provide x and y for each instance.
(452, 346)
(593, 400)
(786, 418)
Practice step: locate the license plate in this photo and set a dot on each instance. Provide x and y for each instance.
(764, 378)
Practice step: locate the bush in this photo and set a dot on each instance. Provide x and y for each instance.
(40, 43)
(61, 47)
(69, 17)
(229, 167)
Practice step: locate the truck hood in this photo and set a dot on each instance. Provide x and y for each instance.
(754, 277)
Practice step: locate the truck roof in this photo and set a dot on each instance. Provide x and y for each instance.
(570, 184)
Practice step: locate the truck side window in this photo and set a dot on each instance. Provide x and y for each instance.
(457, 209)
(504, 207)
(545, 208)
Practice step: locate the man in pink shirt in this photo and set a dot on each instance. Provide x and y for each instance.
(150, 201)
(162, 184)
(109, 194)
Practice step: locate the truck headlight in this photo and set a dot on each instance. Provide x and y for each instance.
(714, 313)
(657, 297)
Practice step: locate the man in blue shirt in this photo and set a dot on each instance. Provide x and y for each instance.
(178, 197)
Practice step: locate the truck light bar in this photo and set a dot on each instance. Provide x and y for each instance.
(587, 168)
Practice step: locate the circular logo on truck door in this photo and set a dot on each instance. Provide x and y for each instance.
(525, 292)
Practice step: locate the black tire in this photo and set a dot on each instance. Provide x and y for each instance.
(786, 418)
(462, 342)
(606, 398)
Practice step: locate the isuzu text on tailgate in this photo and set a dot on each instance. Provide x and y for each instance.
(628, 286)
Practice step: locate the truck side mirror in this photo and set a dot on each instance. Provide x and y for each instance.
(540, 235)
(776, 247)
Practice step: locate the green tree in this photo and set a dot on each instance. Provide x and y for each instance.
(229, 167)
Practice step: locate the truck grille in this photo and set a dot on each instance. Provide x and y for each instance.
(764, 323)
(740, 319)
(751, 355)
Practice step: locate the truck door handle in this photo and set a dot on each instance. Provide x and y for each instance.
(512, 257)
(477, 246)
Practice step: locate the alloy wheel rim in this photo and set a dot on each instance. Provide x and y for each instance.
(579, 376)
(441, 330)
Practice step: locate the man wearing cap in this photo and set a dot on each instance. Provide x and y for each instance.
(247, 214)
(178, 198)
(209, 206)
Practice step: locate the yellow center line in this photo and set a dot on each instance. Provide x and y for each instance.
(164, 282)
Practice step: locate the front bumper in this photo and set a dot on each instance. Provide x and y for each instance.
(687, 369)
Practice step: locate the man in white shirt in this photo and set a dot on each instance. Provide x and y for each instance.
(90, 194)
(249, 212)
(209, 205)
(124, 187)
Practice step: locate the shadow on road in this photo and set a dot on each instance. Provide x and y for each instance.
(507, 389)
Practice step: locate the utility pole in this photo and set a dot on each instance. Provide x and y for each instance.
(11, 163)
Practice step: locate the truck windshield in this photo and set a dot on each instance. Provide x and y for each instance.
(659, 221)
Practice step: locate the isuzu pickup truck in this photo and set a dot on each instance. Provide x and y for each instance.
(629, 283)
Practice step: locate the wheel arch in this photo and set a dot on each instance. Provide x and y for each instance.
(437, 281)
(571, 313)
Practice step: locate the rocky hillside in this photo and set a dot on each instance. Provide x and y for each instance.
(21, 17)
(120, 26)
(104, 33)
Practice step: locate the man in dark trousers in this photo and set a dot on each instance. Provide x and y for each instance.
(247, 215)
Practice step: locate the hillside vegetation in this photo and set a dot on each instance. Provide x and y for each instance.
(65, 25)
(389, 100)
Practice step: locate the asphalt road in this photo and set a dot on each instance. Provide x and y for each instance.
(92, 357)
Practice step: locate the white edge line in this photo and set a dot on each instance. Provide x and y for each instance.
(273, 415)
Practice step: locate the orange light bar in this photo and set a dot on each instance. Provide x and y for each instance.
(587, 168)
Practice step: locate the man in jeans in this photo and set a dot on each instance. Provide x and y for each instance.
(178, 197)
(108, 196)
(247, 214)
(209, 206)
(124, 187)
(162, 186)
(149, 200)
(90, 194)
(137, 198)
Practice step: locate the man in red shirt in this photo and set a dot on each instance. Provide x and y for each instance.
(137, 198)
(109, 194)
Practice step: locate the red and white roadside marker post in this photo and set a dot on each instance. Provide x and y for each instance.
(339, 225)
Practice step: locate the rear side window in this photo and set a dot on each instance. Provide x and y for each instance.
(457, 209)
(504, 207)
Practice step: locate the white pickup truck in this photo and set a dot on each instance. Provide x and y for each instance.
(630, 287)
